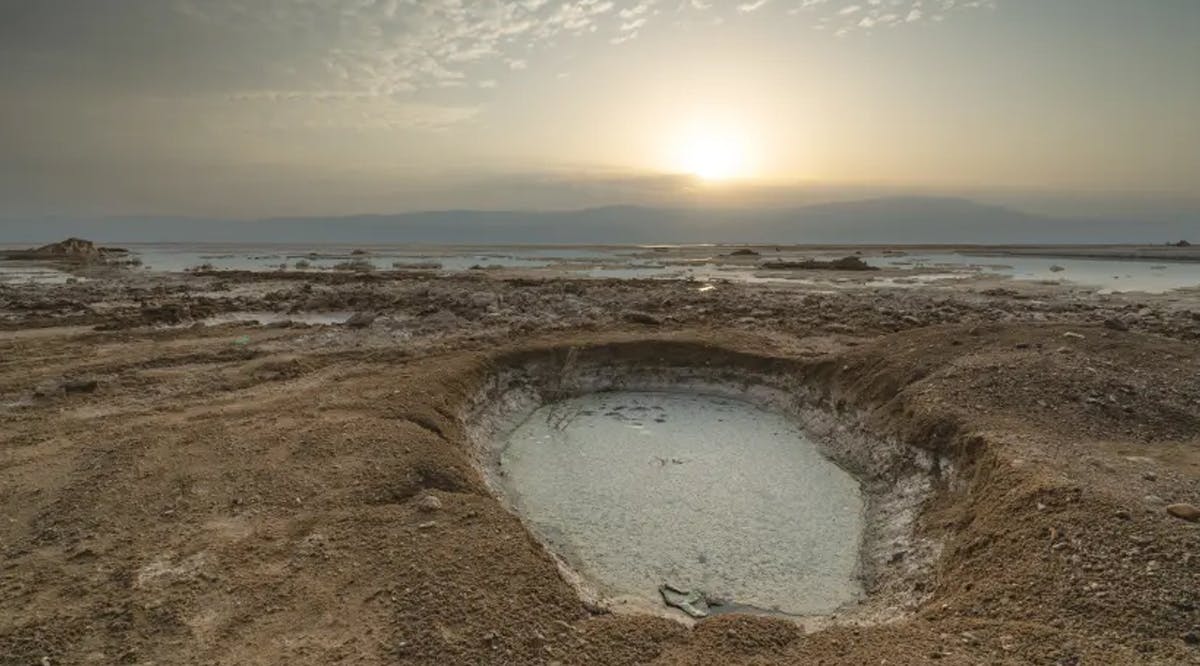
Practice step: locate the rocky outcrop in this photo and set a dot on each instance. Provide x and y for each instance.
(71, 249)
(850, 263)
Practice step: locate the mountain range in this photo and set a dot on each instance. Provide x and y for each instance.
(895, 220)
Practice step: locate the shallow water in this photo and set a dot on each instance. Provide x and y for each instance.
(1109, 275)
(15, 272)
(640, 489)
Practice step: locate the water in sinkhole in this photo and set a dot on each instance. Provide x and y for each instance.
(638, 489)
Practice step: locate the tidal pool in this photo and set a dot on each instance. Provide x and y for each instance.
(639, 489)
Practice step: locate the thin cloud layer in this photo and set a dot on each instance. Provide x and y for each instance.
(410, 53)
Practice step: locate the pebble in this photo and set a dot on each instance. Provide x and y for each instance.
(1073, 335)
(429, 504)
(642, 318)
(360, 320)
(1187, 512)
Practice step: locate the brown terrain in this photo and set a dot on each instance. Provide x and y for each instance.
(179, 493)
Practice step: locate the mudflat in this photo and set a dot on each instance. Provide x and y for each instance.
(180, 493)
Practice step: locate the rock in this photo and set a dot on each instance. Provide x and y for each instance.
(850, 263)
(80, 385)
(744, 252)
(429, 504)
(49, 389)
(360, 320)
(71, 249)
(1185, 511)
(1115, 324)
(1057, 269)
(1192, 638)
(642, 318)
(1073, 335)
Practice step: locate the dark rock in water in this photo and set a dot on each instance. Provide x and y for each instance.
(75, 250)
(744, 252)
(360, 320)
(1182, 243)
(642, 318)
(851, 263)
(71, 249)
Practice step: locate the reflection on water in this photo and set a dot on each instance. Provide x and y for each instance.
(1106, 274)
(704, 493)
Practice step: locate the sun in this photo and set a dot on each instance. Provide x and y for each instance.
(713, 156)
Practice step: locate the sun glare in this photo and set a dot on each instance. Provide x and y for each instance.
(713, 156)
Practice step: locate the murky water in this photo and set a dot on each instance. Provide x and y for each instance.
(640, 489)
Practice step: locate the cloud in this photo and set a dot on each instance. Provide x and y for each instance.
(400, 52)
(844, 16)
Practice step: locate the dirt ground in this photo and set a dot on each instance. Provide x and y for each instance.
(179, 493)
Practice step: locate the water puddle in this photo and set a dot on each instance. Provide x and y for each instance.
(636, 490)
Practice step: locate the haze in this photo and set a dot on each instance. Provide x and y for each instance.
(241, 108)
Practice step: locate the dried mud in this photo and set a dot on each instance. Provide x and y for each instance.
(248, 494)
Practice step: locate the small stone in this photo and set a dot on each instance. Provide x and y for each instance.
(429, 525)
(1192, 638)
(1115, 324)
(1150, 476)
(1073, 335)
(360, 320)
(1123, 514)
(49, 389)
(642, 318)
(429, 504)
(1187, 512)
(80, 385)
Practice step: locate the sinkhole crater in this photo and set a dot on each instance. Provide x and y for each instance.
(716, 485)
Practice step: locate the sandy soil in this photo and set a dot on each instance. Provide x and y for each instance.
(174, 493)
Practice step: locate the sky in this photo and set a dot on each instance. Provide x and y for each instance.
(253, 108)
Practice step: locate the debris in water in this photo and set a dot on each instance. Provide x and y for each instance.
(688, 601)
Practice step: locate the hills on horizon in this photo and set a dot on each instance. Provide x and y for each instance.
(893, 220)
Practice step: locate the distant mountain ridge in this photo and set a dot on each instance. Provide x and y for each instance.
(895, 220)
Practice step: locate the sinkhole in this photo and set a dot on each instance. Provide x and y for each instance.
(693, 491)
(667, 484)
